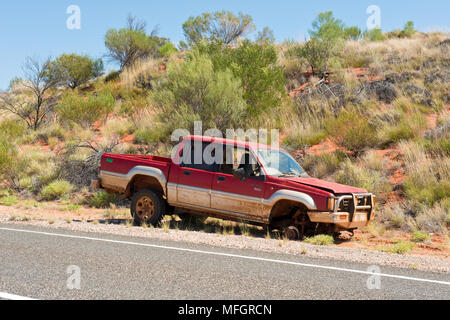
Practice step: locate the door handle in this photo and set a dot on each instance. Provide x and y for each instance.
(220, 178)
(187, 173)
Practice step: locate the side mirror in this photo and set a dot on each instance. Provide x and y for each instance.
(240, 174)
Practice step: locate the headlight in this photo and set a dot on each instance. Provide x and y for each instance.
(331, 203)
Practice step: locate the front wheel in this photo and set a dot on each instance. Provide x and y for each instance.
(292, 233)
(147, 207)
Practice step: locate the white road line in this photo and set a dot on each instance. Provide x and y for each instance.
(9, 296)
(231, 255)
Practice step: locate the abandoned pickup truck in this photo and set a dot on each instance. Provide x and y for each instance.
(260, 185)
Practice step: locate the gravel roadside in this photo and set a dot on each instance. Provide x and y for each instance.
(242, 242)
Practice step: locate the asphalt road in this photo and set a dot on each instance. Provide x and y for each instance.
(35, 265)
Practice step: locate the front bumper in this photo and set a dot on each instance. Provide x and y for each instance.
(342, 219)
(358, 212)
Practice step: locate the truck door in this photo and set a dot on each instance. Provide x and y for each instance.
(239, 198)
(195, 179)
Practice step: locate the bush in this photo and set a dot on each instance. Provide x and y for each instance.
(128, 45)
(84, 111)
(303, 136)
(434, 219)
(325, 164)
(112, 76)
(146, 136)
(102, 199)
(75, 70)
(8, 154)
(8, 201)
(193, 91)
(12, 129)
(320, 240)
(256, 66)
(400, 247)
(167, 50)
(362, 177)
(56, 190)
(419, 236)
(438, 147)
(374, 35)
(408, 30)
(352, 131)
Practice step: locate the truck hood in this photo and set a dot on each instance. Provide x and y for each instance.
(335, 188)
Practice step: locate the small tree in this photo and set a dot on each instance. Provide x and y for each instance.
(325, 34)
(327, 27)
(352, 33)
(193, 90)
(130, 44)
(167, 50)
(30, 99)
(75, 70)
(408, 30)
(223, 26)
(374, 35)
(84, 111)
(265, 36)
(317, 52)
(256, 66)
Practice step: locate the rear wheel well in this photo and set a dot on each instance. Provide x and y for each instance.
(141, 182)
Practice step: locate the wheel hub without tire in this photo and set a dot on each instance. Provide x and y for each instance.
(292, 233)
(145, 208)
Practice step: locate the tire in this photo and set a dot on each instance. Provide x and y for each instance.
(147, 206)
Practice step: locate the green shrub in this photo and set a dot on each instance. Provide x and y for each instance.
(167, 50)
(12, 129)
(426, 189)
(112, 76)
(146, 136)
(321, 240)
(75, 70)
(352, 131)
(409, 127)
(84, 111)
(400, 247)
(102, 199)
(438, 147)
(256, 66)
(8, 155)
(434, 219)
(323, 165)
(362, 177)
(408, 30)
(194, 91)
(305, 138)
(9, 200)
(419, 236)
(56, 190)
(374, 35)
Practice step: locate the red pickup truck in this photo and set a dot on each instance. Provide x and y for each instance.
(255, 183)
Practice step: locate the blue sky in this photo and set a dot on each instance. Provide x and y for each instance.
(38, 28)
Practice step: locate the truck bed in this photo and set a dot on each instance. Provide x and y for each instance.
(123, 163)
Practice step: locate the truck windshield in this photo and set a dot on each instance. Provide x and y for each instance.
(280, 164)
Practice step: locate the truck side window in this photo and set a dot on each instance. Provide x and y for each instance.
(236, 158)
(188, 159)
